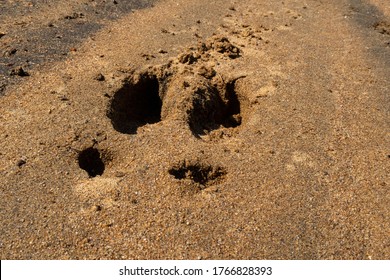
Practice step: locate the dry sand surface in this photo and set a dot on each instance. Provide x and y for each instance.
(195, 129)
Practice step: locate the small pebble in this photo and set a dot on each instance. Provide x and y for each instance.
(120, 174)
(100, 77)
(21, 162)
(96, 208)
(19, 72)
(10, 52)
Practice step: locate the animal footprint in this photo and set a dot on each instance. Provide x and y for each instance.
(137, 103)
(188, 89)
(199, 175)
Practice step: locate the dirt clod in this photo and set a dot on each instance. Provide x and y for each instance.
(19, 72)
(383, 27)
(74, 16)
(10, 52)
(21, 162)
(187, 58)
(100, 77)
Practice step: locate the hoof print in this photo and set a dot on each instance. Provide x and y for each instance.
(136, 104)
(200, 174)
(194, 93)
(213, 107)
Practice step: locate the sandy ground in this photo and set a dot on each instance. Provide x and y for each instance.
(196, 130)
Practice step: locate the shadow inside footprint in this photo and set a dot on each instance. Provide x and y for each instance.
(232, 117)
(135, 104)
(213, 108)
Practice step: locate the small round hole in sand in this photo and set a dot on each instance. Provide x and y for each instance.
(90, 160)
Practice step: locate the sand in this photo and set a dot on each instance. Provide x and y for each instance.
(196, 130)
